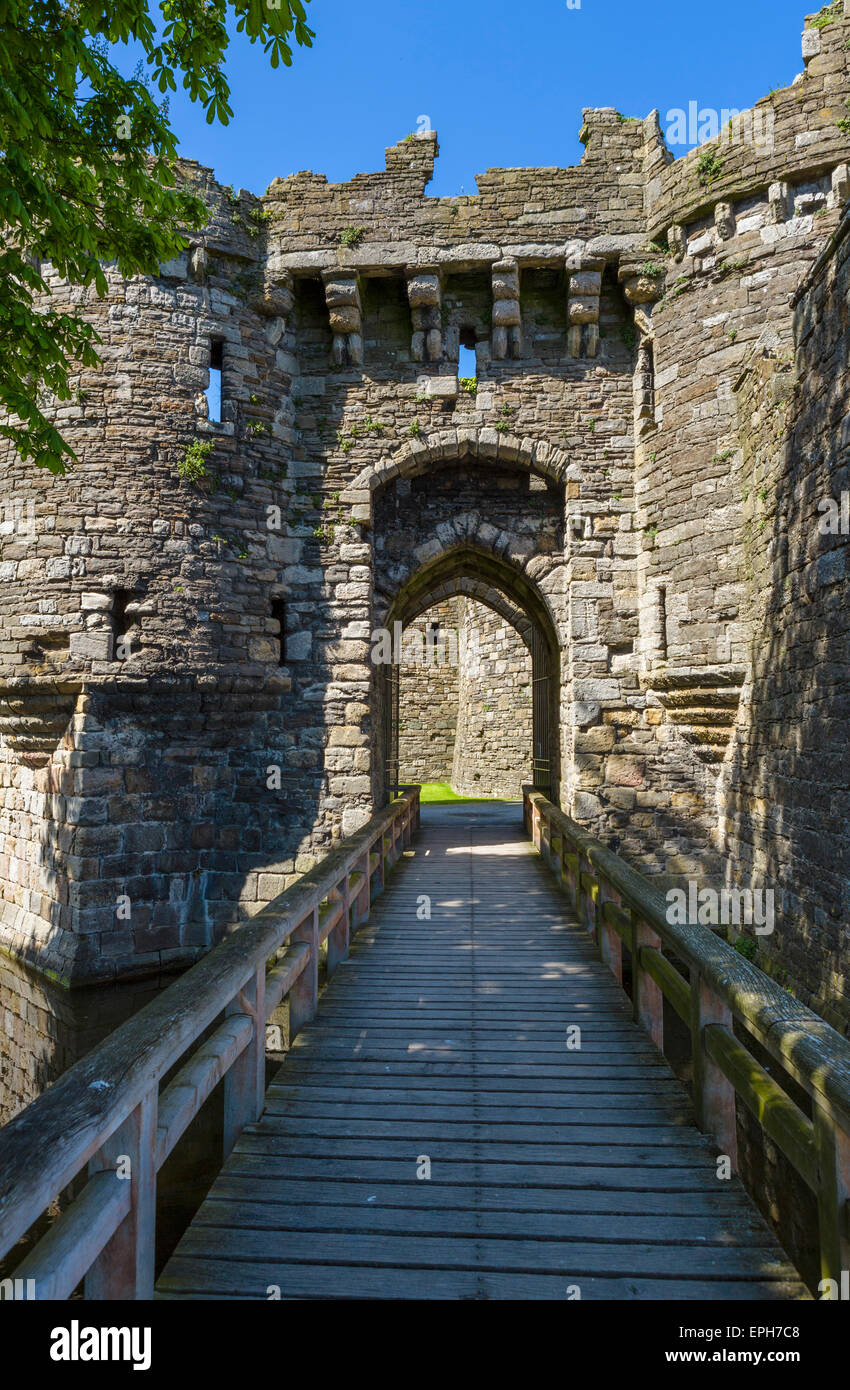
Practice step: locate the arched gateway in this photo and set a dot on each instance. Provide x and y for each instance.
(469, 571)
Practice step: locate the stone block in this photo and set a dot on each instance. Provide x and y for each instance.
(96, 645)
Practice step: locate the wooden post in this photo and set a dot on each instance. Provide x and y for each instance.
(124, 1269)
(245, 1081)
(304, 995)
(647, 999)
(365, 899)
(581, 905)
(338, 938)
(833, 1146)
(714, 1094)
(571, 873)
(587, 898)
(610, 945)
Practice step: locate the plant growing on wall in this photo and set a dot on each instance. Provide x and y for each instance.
(192, 467)
(87, 170)
(709, 168)
(828, 15)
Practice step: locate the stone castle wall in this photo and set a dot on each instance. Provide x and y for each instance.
(786, 806)
(189, 708)
(493, 752)
(429, 698)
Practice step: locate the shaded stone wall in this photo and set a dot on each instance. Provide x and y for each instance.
(44, 1029)
(189, 708)
(787, 802)
(492, 755)
(429, 698)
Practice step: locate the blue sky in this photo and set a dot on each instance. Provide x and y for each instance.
(502, 83)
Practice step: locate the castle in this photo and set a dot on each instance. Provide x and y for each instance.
(632, 485)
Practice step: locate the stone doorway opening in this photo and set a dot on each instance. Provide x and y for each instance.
(471, 697)
(465, 701)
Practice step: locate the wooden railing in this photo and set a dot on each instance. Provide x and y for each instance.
(108, 1111)
(619, 906)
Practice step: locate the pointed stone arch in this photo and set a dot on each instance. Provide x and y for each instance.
(484, 445)
(508, 585)
(504, 578)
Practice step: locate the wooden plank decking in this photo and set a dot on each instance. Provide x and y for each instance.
(447, 1039)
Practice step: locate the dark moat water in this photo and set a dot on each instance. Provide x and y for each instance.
(44, 1030)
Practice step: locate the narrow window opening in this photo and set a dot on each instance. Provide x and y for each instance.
(124, 619)
(650, 375)
(646, 380)
(662, 620)
(278, 607)
(213, 391)
(467, 366)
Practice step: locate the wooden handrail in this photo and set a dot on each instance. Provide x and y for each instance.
(107, 1111)
(619, 906)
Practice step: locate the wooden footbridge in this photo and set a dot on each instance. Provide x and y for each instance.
(476, 1110)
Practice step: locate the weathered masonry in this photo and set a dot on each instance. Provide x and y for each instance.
(190, 708)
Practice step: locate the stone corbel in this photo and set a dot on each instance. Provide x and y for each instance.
(677, 241)
(424, 297)
(274, 298)
(506, 338)
(585, 287)
(640, 286)
(724, 221)
(840, 185)
(342, 296)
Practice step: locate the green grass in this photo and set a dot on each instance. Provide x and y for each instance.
(435, 792)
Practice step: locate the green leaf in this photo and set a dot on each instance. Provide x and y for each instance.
(79, 195)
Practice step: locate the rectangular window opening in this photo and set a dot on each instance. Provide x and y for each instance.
(278, 607)
(124, 621)
(467, 366)
(213, 391)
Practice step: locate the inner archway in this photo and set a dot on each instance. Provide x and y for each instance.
(520, 671)
(465, 701)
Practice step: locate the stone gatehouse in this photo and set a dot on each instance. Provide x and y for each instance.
(190, 709)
